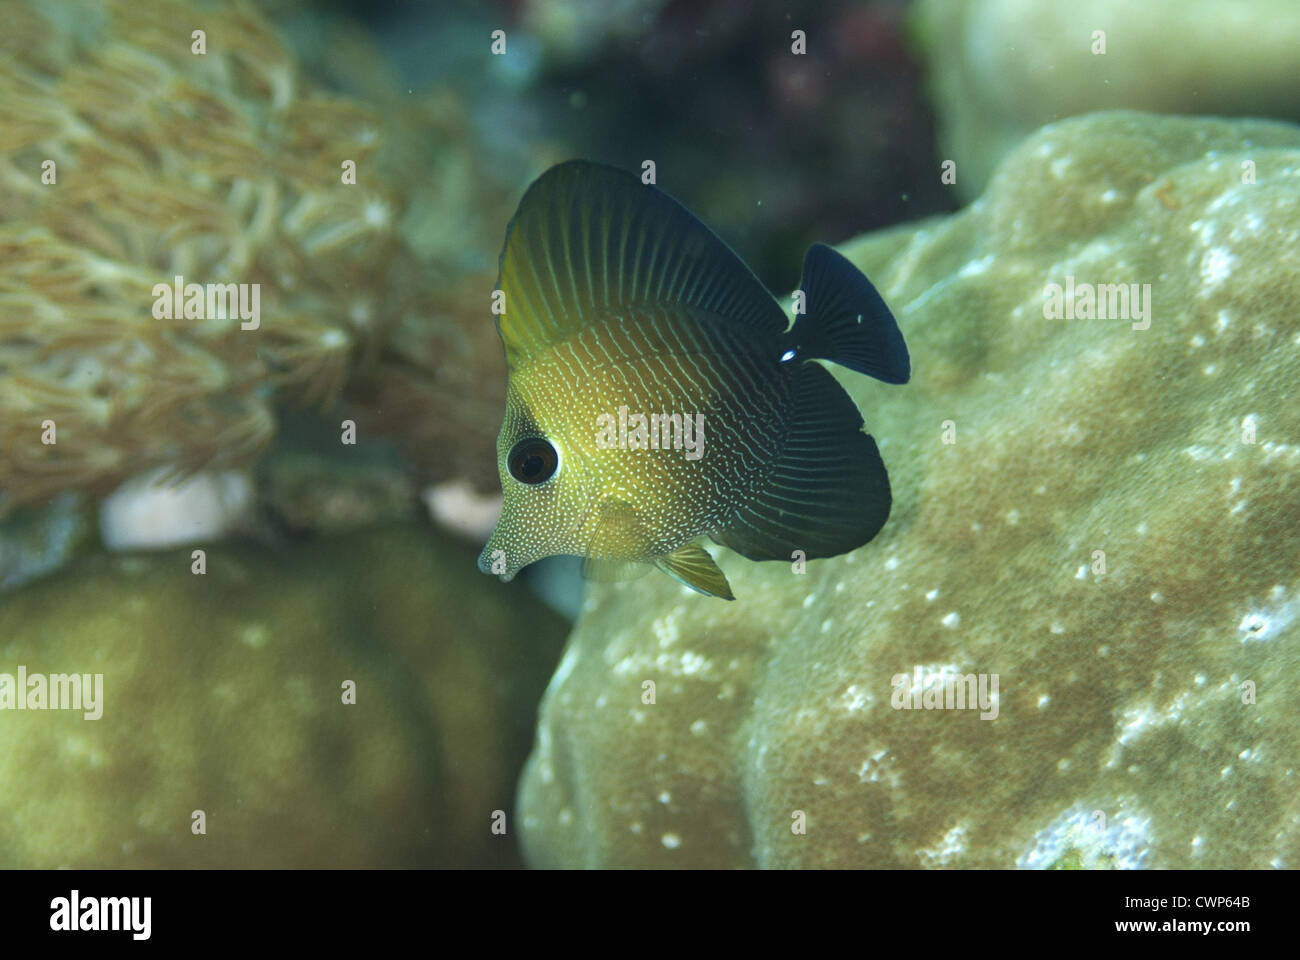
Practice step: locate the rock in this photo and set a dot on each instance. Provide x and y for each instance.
(155, 509)
(37, 542)
(223, 693)
(1102, 536)
(1002, 68)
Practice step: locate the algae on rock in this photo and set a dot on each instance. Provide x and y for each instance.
(223, 692)
(1114, 533)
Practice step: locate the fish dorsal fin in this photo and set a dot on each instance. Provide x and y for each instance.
(589, 239)
(692, 565)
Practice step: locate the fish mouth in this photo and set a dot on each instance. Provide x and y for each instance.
(493, 560)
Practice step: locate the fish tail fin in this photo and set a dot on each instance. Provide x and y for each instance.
(846, 321)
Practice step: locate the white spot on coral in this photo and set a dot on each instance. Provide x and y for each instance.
(878, 768)
(951, 620)
(932, 594)
(1043, 700)
(699, 728)
(856, 698)
(665, 628)
(948, 848)
(377, 213)
(809, 600)
(1253, 626)
(1136, 722)
(1122, 845)
(1269, 621)
(976, 267)
(254, 636)
(891, 563)
(672, 841)
(665, 797)
(692, 663)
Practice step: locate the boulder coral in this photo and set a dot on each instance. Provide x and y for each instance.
(1000, 69)
(224, 693)
(1099, 511)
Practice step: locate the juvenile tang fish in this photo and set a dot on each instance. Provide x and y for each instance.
(655, 394)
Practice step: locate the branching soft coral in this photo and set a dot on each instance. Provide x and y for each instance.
(223, 167)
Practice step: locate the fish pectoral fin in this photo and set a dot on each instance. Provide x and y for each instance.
(617, 540)
(604, 570)
(691, 564)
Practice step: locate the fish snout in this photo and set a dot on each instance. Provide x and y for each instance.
(496, 561)
(504, 556)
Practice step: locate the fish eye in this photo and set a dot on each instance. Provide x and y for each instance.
(533, 460)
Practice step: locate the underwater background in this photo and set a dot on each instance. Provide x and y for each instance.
(262, 538)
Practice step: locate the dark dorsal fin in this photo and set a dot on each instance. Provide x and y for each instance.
(588, 239)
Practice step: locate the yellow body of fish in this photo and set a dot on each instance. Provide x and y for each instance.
(655, 394)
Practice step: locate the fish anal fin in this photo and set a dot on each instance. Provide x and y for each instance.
(691, 564)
